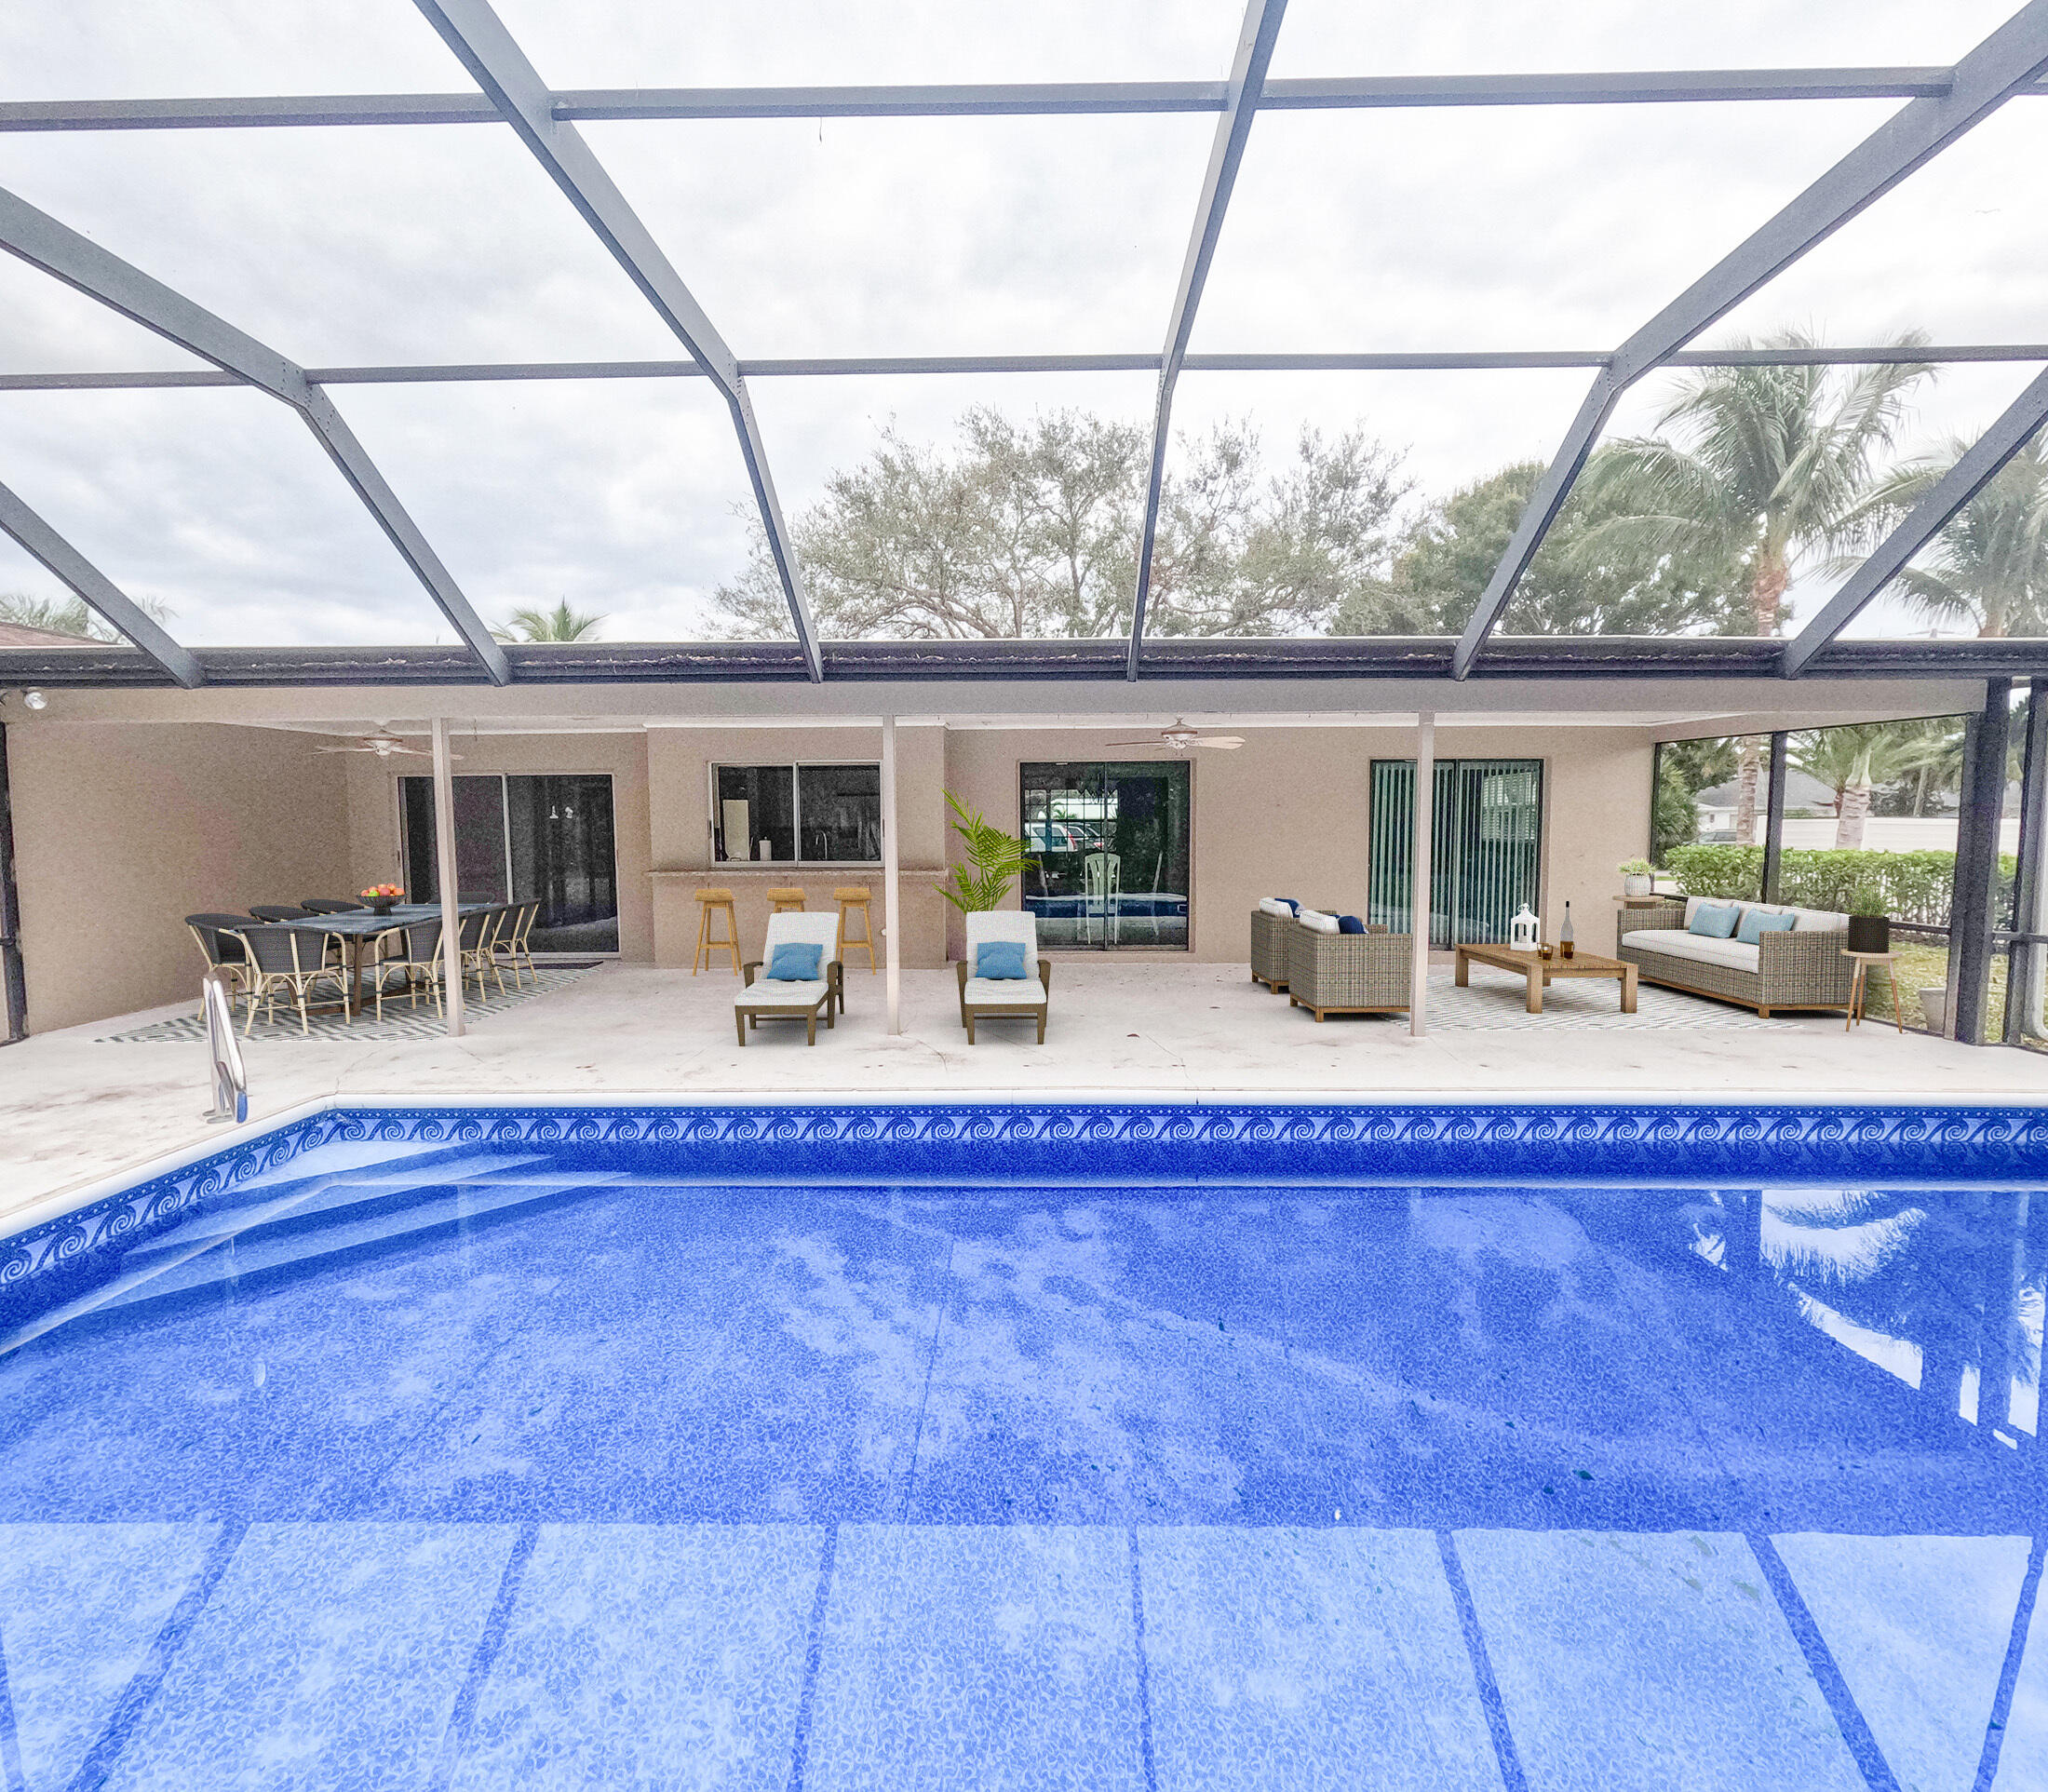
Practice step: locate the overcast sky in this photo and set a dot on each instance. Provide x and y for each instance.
(1524, 228)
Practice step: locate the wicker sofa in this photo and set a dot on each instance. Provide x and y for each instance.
(1346, 973)
(1802, 968)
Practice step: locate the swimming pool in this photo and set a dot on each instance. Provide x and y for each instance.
(1102, 1445)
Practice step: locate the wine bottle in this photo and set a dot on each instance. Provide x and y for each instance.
(1564, 935)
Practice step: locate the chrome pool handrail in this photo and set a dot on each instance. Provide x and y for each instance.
(229, 1078)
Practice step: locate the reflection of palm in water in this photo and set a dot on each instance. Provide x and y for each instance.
(1955, 1276)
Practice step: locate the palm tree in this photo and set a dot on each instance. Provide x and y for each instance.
(1988, 568)
(1763, 465)
(561, 623)
(69, 615)
(1850, 761)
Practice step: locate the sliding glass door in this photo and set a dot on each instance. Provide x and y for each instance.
(1485, 845)
(1111, 845)
(519, 837)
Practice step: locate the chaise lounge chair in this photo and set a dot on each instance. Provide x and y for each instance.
(768, 997)
(1023, 996)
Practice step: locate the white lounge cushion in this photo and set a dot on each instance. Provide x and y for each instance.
(1316, 919)
(1003, 923)
(1003, 993)
(1273, 905)
(1675, 942)
(800, 927)
(766, 992)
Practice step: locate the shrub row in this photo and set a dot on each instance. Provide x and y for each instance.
(1913, 886)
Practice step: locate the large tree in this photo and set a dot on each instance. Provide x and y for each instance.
(1450, 551)
(1988, 568)
(1766, 465)
(69, 615)
(1030, 531)
(1851, 760)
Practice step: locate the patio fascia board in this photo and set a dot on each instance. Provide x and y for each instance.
(1424, 658)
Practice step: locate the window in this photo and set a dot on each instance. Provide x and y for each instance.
(1111, 846)
(520, 838)
(806, 814)
(1485, 845)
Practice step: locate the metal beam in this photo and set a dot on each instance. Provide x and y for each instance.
(2008, 60)
(986, 100)
(1974, 893)
(1222, 660)
(2026, 961)
(1974, 468)
(480, 42)
(40, 241)
(894, 366)
(14, 982)
(1255, 41)
(94, 589)
(1774, 827)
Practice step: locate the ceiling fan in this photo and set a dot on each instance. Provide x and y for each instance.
(384, 744)
(1181, 737)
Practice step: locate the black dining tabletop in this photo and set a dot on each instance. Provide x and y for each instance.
(352, 923)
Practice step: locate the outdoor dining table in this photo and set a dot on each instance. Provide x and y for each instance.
(357, 927)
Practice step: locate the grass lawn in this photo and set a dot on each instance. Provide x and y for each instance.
(1923, 965)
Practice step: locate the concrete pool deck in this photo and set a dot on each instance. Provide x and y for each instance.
(76, 1107)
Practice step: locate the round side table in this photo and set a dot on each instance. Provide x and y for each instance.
(1859, 985)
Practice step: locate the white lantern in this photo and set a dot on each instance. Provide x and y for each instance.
(1524, 931)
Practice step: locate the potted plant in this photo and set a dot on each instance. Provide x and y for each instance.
(380, 897)
(1869, 927)
(1637, 879)
(995, 860)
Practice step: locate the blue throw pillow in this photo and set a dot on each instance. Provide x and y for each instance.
(1350, 925)
(1756, 923)
(1712, 921)
(999, 960)
(794, 963)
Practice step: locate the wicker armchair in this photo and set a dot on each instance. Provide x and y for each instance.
(1268, 949)
(1347, 973)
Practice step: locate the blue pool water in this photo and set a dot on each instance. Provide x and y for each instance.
(569, 1450)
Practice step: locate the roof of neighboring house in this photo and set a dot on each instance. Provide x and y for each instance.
(1801, 792)
(19, 634)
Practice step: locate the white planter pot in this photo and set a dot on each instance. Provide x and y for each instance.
(1634, 885)
(1934, 1005)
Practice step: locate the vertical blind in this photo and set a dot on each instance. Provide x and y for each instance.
(1485, 851)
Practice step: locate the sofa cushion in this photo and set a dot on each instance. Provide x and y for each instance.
(1278, 906)
(1672, 942)
(1757, 921)
(1715, 920)
(1316, 919)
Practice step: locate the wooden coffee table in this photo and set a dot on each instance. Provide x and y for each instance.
(1539, 971)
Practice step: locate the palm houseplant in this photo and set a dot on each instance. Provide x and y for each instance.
(995, 860)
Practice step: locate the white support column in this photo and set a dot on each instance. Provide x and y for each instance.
(444, 854)
(1418, 897)
(891, 880)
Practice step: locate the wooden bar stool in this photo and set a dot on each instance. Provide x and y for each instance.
(853, 899)
(710, 902)
(787, 900)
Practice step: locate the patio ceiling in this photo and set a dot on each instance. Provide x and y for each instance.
(1942, 104)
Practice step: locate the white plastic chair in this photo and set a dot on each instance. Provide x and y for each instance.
(1102, 892)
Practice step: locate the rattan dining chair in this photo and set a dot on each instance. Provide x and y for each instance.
(293, 961)
(280, 911)
(418, 961)
(330, 906)
(513, 943)
(223, 951)
(477, 930)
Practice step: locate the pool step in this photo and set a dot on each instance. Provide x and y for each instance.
(344, 1217)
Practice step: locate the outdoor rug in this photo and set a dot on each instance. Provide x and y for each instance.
(1495, 1002)
(401, 1020)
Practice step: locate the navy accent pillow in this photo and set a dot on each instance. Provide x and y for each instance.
(1712, 921)
(999, 960)
(1756, 923)
(795, 962)
(1350, 925)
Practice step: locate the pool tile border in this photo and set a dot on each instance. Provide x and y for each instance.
(1121, 1141)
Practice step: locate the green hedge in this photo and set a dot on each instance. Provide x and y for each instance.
(1915, 886)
